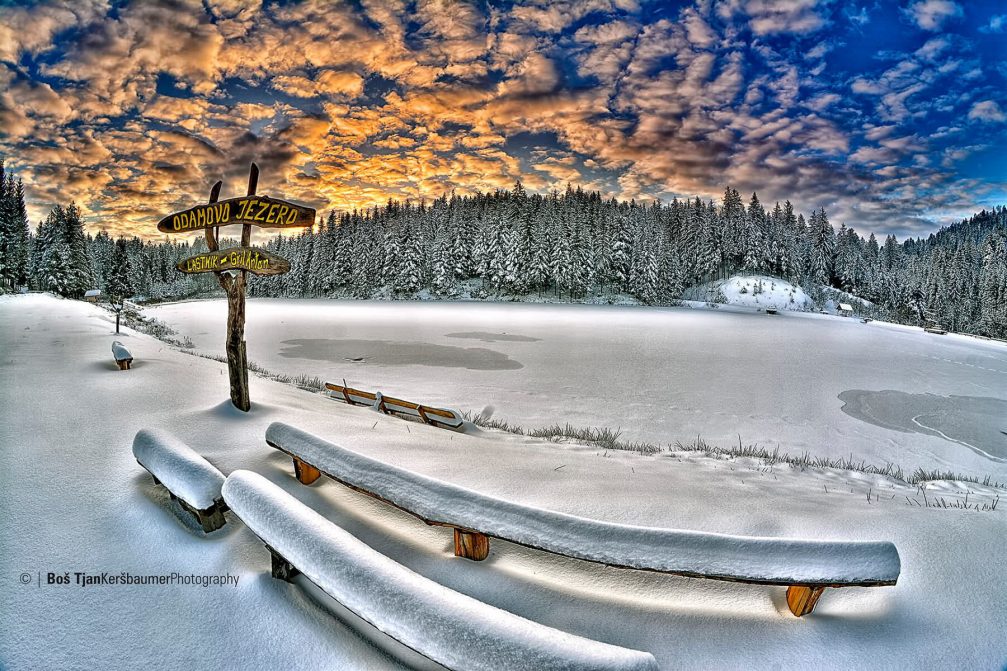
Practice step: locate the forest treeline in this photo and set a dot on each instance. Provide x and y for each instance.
(571, 246)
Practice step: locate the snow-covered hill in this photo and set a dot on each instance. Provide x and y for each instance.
(754, 291)
(76, 502)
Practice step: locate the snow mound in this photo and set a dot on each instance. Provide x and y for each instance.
(450, 628)
(753, 291)
(185, 473)
(752, 559)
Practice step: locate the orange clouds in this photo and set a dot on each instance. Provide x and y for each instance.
(139, 109)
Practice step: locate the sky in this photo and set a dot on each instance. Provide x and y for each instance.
(890, 115)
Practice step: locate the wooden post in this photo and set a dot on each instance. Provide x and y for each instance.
(802, 600)
(306, 473)
(234, 287)
(232, 266)
(471, 545)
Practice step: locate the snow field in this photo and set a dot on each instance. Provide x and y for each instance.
(76, 500)
(658, 375)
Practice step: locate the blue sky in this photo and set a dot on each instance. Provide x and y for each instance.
(891, 115)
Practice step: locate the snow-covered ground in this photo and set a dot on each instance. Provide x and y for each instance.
(75, 500)
(661, 375)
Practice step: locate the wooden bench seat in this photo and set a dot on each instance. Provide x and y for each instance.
(449, 628)
(189, 478)
(350, 395)
(444, 418)
(805, 567)
(123, 358)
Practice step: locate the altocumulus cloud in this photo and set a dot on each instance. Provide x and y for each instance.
(133, 110)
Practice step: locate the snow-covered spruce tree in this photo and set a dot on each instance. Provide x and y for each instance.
(620, 258)
(408, 276)
(753, 240)
(14, 234)
(823, 247)
(671, 278)
(993, 286)
(80, 274)
(6, 230)
(733, 224)
(117, 284)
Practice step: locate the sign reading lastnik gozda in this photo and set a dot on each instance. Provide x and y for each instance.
(259, 211)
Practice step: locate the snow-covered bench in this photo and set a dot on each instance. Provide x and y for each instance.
(123, 358)
(805, 567)
(440, 417)
(189, 478)
(452, 629)
(350, 395)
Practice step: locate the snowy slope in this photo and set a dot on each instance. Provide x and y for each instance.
(753, 291)
(441, 624)
(74, 500)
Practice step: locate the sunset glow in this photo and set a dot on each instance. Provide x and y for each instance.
(892, 116)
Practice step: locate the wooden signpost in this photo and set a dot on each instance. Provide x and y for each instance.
(256, 261)
(254, 210)
(231, 266)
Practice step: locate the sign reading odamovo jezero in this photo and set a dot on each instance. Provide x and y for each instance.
(255, 210)
(254, 260)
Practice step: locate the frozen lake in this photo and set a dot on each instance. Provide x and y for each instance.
(827, 385)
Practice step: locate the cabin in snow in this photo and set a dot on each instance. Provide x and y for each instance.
(845, 309)
(92, 295)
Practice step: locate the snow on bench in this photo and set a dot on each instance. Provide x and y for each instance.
(189, 478)
(806, 567)
(123, 358)
(449, 628)
(350, 395)
(444, 418)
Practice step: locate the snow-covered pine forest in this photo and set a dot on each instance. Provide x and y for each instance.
(568, 246)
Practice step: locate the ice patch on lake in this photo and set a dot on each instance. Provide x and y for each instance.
(959, 419)
(396, 353)
(493, 337)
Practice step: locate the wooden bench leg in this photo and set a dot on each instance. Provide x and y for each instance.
(471, 545)
(211, 519)
(802, 599)
(306, 473)
(280, 568)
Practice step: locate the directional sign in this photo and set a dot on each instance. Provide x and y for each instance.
(254, 260)
(255, 210)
